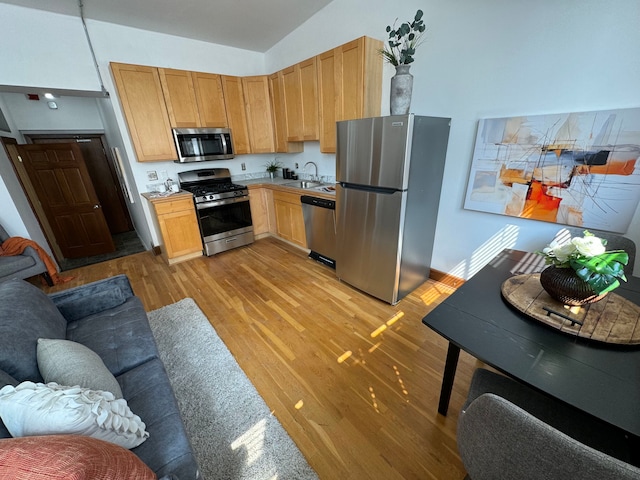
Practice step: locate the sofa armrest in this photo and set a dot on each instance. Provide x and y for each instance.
(95, 297)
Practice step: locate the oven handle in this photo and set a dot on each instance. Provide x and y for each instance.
(224, 201)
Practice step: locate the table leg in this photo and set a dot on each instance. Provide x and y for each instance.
(453, 353)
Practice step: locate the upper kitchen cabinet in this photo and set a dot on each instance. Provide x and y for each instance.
(140, 93)
(350, 86)
(210, 98)
(236, 114)
(309, 82)
(259, 114)
(276, 91)
(180, 98)
(193, 99)
(300, 85)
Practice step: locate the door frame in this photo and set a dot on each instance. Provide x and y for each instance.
(76, 135)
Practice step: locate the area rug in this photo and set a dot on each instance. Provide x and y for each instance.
(232, 430)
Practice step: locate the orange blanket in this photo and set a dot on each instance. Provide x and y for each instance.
(16, 245)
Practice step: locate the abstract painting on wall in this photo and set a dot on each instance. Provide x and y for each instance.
(578, 169)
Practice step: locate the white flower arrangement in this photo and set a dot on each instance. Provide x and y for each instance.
(588, 257)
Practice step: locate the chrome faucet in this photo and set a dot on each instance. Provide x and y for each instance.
(316, 166)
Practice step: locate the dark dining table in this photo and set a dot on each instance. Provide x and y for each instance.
(598, 378)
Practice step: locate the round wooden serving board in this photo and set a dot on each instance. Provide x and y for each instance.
(613, 319)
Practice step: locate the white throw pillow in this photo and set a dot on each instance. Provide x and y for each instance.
(70, 363)
(39, 409)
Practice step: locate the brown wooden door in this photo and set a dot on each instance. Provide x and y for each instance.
(103, 176)
(64, 189)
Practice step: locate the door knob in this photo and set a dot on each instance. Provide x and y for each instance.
(96, 206)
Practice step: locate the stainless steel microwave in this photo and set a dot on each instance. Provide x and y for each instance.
(202, 144)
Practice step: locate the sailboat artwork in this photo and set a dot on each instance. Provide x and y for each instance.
(579, 169)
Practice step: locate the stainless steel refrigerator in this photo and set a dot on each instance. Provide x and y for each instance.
(389, 176)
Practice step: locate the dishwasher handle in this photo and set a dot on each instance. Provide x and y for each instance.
(318, 202)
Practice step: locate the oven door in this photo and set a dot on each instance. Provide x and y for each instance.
(225, 224)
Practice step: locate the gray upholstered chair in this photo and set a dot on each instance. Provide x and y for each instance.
(22, 266)
(500, 438)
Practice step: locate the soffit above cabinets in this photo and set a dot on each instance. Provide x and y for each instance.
(254, 25)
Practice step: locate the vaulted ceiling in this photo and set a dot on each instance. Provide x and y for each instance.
(248, 24)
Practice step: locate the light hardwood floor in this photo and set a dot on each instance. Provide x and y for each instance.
(353, 380)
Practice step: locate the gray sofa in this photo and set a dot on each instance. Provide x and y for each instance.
(108, 318)
(22, 266)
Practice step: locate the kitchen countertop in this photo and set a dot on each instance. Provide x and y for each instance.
(279, 183)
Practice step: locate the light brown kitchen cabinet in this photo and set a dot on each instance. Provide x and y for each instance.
(142, 100)
(210, 98)
(349, 86)
(262, 211)
(175, 219)
(289, 219)
(179, 97)
(259, 114)
(236, 114)
(328, 98)
(309, 82)
(276, 92)
(300, 85)
(292, 89)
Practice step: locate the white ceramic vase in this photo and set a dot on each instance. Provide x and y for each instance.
(401, 88)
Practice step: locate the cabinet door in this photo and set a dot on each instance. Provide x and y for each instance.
(259, 114)
(142, 101)
(180, 98)
(360, 79)
(349, 86)
(289, 218)
(351, 80)
(180, 233)
(234, 102)
(309, 91)
(328, 99)
(261, 204)
(276, 92)
(293, 103)
(210, 98)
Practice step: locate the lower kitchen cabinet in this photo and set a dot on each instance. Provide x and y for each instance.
(262, 211)
(175, 219)
(289, 219)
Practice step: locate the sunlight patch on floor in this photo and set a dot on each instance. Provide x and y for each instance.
(253, 441)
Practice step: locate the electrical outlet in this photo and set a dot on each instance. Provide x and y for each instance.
(296, 164)
(152, 175)
(244, 167)
(163, 175)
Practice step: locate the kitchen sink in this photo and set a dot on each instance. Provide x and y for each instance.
(304, 184)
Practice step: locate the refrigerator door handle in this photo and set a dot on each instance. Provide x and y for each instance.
(369, 188)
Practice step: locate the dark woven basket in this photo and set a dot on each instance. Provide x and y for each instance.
(564, 285)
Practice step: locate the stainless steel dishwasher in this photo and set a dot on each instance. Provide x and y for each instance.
(320, 227)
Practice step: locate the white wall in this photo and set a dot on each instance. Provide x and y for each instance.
(73, 113)
(491, 59)
(480, 59)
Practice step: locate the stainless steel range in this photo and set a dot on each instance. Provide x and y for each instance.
(222, 208)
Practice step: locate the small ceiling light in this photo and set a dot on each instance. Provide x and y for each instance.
(52, 105)
(49, 96)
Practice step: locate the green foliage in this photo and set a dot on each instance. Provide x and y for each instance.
(403, 41)
(602, 271)
(273, 166)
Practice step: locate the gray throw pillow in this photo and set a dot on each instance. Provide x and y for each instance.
(69, 363)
